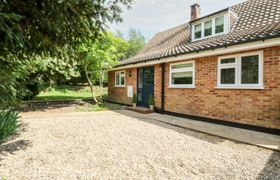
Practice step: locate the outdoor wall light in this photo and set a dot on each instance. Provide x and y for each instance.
(130, 73)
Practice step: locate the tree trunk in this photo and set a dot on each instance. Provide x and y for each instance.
(101, 81)
(90, 85)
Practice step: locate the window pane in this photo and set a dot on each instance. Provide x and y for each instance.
(182, 78)
(197, 31)
(208, 28)
(140, 79)
(178, 66)
(219, 24)
(250, 69)
(227, 61)
(228, 76)
(122, 80)
(139, 96)
(117, 78)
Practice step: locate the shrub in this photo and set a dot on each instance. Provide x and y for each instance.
(151, 100)
(134, 99)
(8, 123)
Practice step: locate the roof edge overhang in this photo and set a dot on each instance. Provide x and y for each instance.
(219, 51)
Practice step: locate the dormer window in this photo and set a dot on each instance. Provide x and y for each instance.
(210, 26)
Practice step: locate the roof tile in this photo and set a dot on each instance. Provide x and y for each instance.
(256, 19)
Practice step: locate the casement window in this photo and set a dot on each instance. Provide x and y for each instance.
(210, 27)
(243, 71)
(120, 78)
(182, 75)
(219, 24)
(197, 31)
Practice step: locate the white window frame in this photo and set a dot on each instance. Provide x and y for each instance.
(118, 85)
(189, 69)
(202, 22)
(238, 67)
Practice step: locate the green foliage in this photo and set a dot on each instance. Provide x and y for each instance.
(24, 77)
(45, 25)
(99, 56)
(8, 123)
(151, 100)
(39, 41)
(136, 43)
(134, 98)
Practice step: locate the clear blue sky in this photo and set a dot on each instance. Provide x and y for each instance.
(152, 16)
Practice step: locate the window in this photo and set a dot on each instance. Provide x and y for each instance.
(182, 75)
(197, 30)
(249, 69)
(210, 27)
(120, 79)
(219, 25)
(241, 71)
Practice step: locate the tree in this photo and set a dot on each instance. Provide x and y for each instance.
(47, 32)
(99, 56)
(136, 42)
(43, 25)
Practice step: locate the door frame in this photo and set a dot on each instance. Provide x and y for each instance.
(137, 83)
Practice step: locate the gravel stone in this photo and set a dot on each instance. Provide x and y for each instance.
(113, 145)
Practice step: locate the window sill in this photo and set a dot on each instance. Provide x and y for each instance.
(240, 87)
(181, 87)
(206, 37)
(120, 86)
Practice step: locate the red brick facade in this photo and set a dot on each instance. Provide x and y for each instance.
(247, 106)
(119, 94)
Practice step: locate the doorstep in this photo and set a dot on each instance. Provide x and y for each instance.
(256, 138)
(139, 109)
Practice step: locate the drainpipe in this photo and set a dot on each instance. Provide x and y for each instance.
(162, 86)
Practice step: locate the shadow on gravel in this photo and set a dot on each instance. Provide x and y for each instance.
(10, 145)
(188, 132)
(272, 168)
(10, 148)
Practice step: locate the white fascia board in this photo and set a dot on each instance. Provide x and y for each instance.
(220, 51)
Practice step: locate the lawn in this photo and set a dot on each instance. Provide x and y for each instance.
(66, 92)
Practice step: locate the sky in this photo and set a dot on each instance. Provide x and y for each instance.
(152, 16)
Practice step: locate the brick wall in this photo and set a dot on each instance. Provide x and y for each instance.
(157, 85)
(119, 94)
(255, 107)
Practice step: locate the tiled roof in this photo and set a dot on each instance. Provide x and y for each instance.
(256, 20)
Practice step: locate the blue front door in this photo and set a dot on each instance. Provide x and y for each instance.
(145, 85)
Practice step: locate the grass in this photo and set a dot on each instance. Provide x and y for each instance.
(68, 92)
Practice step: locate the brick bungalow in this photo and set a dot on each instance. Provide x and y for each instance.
(223, 68)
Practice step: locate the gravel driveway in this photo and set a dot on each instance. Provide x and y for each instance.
(114, 145)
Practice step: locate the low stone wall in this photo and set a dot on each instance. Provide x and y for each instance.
(37, 105)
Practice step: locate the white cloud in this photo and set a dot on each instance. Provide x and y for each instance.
(152, 16)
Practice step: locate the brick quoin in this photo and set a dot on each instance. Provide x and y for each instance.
(246, 106)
